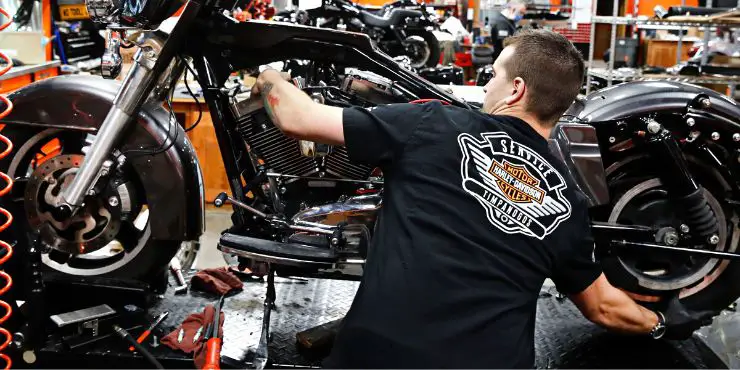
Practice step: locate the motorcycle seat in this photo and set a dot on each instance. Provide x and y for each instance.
(395, 17)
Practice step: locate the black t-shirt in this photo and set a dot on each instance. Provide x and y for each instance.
(476, 214)
(501, 28)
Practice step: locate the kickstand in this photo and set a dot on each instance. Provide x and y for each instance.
(261, 353)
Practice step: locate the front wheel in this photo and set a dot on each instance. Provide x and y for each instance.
(110, 237)
(640, 198)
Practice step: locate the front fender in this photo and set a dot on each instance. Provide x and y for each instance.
(172, 180)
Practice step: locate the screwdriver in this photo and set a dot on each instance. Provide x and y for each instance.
(158, 320)
(213, 345)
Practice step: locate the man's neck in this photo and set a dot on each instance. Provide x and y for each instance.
(540, 127)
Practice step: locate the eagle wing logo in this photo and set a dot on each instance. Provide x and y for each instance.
(519, 190)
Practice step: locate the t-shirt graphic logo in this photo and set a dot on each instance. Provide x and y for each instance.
(520, 191)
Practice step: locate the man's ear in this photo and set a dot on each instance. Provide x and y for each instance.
(518, 91)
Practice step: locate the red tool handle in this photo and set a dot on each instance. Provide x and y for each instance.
(141, 338)
(213, 354)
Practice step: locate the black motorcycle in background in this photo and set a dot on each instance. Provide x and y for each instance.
(398, 29)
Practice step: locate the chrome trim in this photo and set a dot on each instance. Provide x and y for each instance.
(280, 175)
(110, 130)
(273, 259)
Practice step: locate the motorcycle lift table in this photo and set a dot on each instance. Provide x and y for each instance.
(563, 338)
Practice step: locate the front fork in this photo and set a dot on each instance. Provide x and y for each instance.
(136, 87)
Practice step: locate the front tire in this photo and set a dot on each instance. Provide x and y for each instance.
(140, 258)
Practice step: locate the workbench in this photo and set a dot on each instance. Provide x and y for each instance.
(563, 338)
(21, 76)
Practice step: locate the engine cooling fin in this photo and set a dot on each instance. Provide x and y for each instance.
(282, 154)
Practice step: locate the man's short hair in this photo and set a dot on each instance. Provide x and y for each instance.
(551, 67)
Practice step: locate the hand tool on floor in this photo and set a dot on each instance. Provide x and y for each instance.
(213, 345)
(319, 339)
(125, 335)
(158, 320)
(197, 334)
(176, 268)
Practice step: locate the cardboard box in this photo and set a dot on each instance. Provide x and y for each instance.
(28, 47)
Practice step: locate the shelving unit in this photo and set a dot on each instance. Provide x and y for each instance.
(708, 23)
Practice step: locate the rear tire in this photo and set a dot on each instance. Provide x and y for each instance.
(433, 44)
(716, 289)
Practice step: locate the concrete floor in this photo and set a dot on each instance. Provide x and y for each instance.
(217, 220)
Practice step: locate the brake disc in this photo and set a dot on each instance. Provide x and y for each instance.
(664, 281)
(94, 226)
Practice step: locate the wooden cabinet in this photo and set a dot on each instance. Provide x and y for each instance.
(204, 140)
(662, 53)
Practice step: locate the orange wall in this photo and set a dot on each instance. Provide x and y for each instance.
(377, 3)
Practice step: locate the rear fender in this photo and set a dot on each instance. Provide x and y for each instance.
(172, 180)
(577, 146)
(644, 97)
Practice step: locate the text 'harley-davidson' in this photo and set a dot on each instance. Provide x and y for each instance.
(111, 184)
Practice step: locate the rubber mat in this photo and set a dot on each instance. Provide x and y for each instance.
(563, 338)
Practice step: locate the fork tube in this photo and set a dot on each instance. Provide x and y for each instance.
(129, 97)
(135, 90)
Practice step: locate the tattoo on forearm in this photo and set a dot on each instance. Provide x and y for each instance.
(270, 101)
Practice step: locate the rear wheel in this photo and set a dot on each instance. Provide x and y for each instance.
(422, 47)
(639, 198)
(110, 237)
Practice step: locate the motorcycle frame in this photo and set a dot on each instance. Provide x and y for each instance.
(216, 52)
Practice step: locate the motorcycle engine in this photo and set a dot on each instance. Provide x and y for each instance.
(310, 173)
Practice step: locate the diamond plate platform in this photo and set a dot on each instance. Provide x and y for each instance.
(564, 339)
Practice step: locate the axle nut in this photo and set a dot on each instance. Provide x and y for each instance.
(714, 239)
(671, 238)
(653, 127)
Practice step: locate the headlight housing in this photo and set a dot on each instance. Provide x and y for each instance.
(147, 14)
(104, 11)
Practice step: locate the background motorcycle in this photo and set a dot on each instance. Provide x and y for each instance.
(396, 30)
(112, 185)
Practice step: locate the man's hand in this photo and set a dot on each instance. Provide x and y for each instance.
(268, 77)
(680, 322)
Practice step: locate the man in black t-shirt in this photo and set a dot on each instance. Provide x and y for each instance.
(476, 215)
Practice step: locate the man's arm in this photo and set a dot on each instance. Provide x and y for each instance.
(295, 114)
(607, 306)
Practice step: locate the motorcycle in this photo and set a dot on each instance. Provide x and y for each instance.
(111, 186)
(398, 31)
